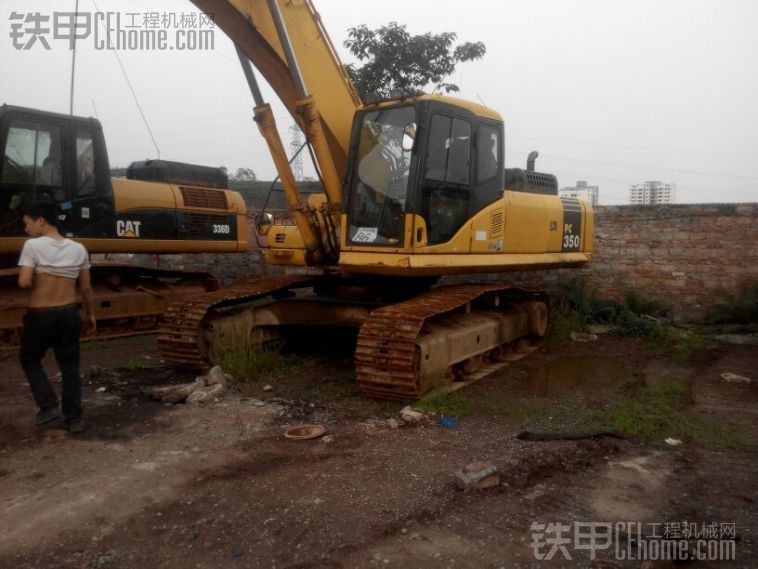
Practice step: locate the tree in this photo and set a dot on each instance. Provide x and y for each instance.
(396, 59)
(244, 175)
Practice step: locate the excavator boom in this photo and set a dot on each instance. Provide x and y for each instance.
(251, 25)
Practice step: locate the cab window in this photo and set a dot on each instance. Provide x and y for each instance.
(85, 164)
(448, 157)
(32, 154)
(445, 189)
(488, 153)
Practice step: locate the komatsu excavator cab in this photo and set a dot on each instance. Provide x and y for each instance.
(421, 169)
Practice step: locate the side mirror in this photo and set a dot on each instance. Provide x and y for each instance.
(263, 223)
(409, 136)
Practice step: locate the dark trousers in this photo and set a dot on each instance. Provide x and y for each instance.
(57, 328)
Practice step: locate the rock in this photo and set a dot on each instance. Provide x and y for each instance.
(207, 394)
(267, 388)
(327, 439)
(101, 389)
(479, 475)
(173, 393)
(581, 337)
(734, 378)
(412, 416)
(216, 376)
(392, 424)
(95, 371)
(672, 442)
(738, 339)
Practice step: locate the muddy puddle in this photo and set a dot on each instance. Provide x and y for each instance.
(574, 373)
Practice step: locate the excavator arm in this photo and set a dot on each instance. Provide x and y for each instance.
(251, 25)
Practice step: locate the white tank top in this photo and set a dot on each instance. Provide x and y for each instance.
(61, 258)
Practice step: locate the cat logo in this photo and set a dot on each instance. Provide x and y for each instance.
(125, 228)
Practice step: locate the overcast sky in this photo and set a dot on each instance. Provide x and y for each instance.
(609, 91)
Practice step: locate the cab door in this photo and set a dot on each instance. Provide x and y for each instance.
(445, 183)
(34, 166)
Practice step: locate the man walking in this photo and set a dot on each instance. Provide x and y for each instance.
(50, 265)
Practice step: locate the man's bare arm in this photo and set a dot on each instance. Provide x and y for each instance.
(85, 285)
(25, 277)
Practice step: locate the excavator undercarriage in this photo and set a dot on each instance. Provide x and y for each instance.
(129, 299)
(404, 348)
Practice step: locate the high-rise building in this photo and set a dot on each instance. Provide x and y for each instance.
(651, 193)
(580, 192)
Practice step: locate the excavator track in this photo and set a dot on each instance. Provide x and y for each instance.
(180, 337)
(395, 339)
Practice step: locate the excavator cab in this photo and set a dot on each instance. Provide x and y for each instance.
(52, 157)
(421, 169)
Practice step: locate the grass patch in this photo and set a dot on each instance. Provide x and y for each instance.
(525, 411)
(563, 321)
(456, 404)
(141, 363)
(250, 363)
(654, 413)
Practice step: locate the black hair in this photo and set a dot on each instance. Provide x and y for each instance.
(46, 210)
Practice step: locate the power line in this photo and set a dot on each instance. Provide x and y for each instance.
(129, 83)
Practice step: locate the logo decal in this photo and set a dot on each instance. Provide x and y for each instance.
(126, 228)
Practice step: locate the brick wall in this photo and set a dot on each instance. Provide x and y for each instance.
(683, 256)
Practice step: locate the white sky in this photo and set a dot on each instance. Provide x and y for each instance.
(609, 91)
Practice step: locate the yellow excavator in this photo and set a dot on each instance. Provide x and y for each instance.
(162, 207)
(415, 188)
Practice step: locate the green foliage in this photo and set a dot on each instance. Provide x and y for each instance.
(684, 345)
(456, 404)
(525, 411)
(142, 362)
(396, 59)
(635, 318)
(638, 304)
(251, 362)
(655, 413)
(741, 308)
(563, 321)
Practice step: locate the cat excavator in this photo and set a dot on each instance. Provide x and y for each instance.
(162, 207)
(415, 189)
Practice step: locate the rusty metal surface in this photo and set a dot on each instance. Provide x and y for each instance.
(122, 307)
(179, 332)
(386, 356)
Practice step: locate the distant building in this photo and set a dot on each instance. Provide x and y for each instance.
(580, 192)
(651, 193)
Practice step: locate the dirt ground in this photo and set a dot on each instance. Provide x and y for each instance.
(150, 485)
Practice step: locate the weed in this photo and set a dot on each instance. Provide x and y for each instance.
(92, 345)
(637, 304)
(525, 411)
(141, 363)
(455, 404)
(563, 321)
(741, 308)
(248, 364)
(655, 413)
